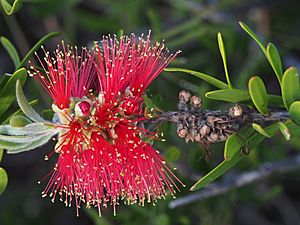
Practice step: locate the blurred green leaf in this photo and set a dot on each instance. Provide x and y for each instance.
(94, 215)
(11, 50)
(209, 79)
(48, 114)
(18, 112)
(290, 86)
(7, 95)
(19, 121)
(218, 171)
(275, 61)
(172, 154)
(223, 54)
(276, 100)
(254, 36)
(295, 112)
(11, 9)
(1, 154)
(229, 95)
(37, 46)
(294, 129)
(25, 106)
(267, 133)
(258, 94)
(3, 180)
(285, 131)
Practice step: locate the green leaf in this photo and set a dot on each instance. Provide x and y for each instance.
(11, 50)
(42, 140)
(285, 131)
(3, 180)
(267, 133)
(172, 154)
(11, 9)
(37, 46)
(276, 100)
(275, 61)
(233, 156)
(25, 106)
(208, 78)
(290, 86)
(295, 112)
(258, 94)
(7, 95)
(235, 142)
(19, 112)
(223, 54)
(218, 171)
(12, 145)
(1, 154)
(254, 36)
(294, 129)
(32, 129)
(229, 95)
(19, 121)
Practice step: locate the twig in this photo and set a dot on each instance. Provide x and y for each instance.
(207, 127)
(236, 181)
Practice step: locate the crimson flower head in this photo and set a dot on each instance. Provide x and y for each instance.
(103, 158)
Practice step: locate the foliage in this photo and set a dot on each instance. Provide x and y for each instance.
(192, 30)
(289, 83)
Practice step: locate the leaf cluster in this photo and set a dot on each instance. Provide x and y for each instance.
(257, 97)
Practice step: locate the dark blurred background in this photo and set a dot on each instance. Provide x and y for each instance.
(191, 26)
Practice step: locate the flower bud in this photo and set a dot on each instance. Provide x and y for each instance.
(82, 108)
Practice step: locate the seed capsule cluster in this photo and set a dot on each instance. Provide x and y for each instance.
(206, 127)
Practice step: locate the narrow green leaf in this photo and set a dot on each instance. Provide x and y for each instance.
(7, 95)
(275, 61)
(290, 88)
(32, 129)
(254, 36)
(9, 10)
(233, 156)
(1, 154)
(267, 133)
(34, 144)
(208, 78)
(275, 100)
(19, 139)
(12, 145)
(25, 106)
(235, 142)
(18, 112)
(37, 46)
(285, 131)
(218, 171)
(11, 50)
(295, 112)
(3, 180)
(229, 95)
(258, 94)
(223, 54)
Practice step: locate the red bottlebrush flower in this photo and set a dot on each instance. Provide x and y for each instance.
(102, 156)
(67, 74)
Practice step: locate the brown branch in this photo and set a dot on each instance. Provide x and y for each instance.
(207, 127)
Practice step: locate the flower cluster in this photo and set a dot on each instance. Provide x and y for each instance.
(98, 104)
